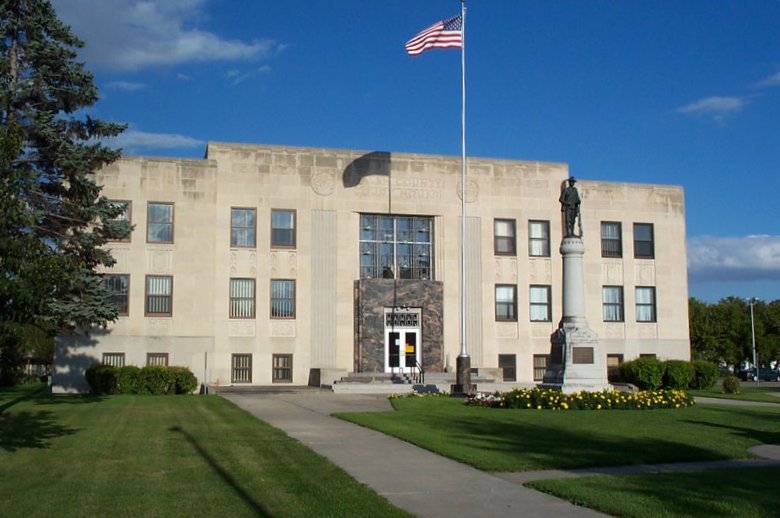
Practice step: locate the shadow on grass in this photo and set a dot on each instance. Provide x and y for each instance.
(546, 447)
(30, 430)
(771, 435)
(256, 506)
(19, 395)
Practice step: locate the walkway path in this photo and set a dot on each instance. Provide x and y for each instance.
(422, 482)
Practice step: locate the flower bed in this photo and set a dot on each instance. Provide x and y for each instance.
(540, 399)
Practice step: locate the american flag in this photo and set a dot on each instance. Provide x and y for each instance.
(440, 35)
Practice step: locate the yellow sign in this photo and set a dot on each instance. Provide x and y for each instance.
(409, 348)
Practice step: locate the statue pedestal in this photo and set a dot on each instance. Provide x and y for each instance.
(576, 360)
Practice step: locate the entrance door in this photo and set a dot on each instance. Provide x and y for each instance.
(402, 339)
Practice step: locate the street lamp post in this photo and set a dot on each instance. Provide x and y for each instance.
(752, 302)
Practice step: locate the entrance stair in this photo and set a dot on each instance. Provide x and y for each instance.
(398, 383)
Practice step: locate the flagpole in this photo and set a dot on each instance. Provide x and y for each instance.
(463, 351)
(463, 375)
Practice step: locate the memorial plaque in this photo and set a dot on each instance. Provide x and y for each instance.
(583, 355)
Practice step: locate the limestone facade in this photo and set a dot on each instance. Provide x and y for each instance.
(248, 310)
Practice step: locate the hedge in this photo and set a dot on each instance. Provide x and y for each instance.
(678, 374)
(152, 379)
(653, 374)
(705, 375)
(645, 373)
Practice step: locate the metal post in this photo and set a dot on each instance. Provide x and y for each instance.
(752, 302)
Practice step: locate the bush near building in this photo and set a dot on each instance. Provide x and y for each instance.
(654, 374)
(152, 379)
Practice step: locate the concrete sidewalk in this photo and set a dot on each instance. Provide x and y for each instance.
(422, 483)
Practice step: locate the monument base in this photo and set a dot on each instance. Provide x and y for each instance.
(463, 386)
(576, 362)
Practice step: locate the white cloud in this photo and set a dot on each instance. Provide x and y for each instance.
(126, 85)
(716, 107)
(746, 258)
(135, 34)
(773, 80)
(133, 141)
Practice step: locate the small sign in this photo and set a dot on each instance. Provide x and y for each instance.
(582, 355)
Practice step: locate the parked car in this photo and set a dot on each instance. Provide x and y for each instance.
(764, 374)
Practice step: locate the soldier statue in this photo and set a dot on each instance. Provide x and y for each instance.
(570, 206)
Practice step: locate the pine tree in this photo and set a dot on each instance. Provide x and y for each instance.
(53, 219)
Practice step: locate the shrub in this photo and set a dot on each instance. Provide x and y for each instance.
(645, 373)
(705, 375)
(102, 379)
(155, 379)
(129, 380)
(184, 381)
(678, 374)
(731, 385)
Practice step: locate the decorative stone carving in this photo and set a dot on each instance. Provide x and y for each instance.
(472, 190)
(322, 183)
(282, 328)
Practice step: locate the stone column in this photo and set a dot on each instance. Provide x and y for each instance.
(576, 360)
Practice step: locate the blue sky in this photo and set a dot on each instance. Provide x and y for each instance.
(683, 92)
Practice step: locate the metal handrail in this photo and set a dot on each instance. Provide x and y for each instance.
(420, 378)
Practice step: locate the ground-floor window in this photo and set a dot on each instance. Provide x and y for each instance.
(613, 366)
(160, 359)
(242, 368)
(508, 363)
(282, 368)
(114, 359)
(540, 366)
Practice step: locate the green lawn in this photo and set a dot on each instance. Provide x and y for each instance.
(707, 493)
(748, 392)
(162, 456)
(521, 440)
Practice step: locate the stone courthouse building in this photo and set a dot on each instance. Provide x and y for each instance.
(268, 264)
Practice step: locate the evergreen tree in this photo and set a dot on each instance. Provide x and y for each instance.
(53, 219)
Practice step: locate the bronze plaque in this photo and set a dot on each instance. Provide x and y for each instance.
(582, 355)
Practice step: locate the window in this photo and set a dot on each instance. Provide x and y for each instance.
(114, 359)
(506, 303)
(504, 237)
(159, 295)
(119, 286)
(125, 217)
(241, 371)
(612, 303)
(282, 368)
(243, 226)
(645, 304)
(242, 298)
(396, 247)
(611, 241)
(283, 229)
(158, 359)
(540, 366)
(643, 241)
(613, 366)
(539, 238)
(508, 364)
(540, 304)
(159, 223)
(282, 298)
